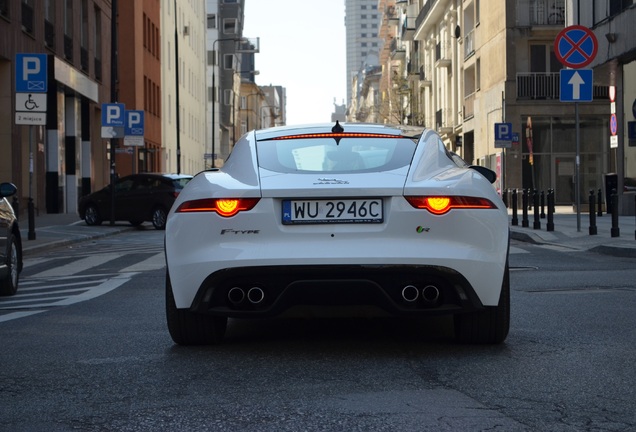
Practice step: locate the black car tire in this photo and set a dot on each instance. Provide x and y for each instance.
(92, 216)
(189, 328)
(159, 217)
(487, 326)
(9, 286)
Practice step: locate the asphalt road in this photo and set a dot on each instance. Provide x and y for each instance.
(105, 362)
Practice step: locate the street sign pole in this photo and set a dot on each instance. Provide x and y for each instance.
(577, 168)
(575, 47)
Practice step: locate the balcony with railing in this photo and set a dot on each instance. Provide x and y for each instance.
(469, 43)
(443, 123)
(469, 106)
(547, 86)
(442, 55)
(540, 13)
(397, 50)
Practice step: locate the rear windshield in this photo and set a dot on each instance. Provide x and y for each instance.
(325, 155)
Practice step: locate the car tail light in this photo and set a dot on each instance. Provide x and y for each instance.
(225, 207)
(442, 204)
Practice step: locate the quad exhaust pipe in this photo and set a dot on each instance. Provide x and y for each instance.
(430, 294)
(237, 295)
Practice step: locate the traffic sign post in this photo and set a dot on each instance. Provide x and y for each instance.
(134, 129)
(31, 84)
(503, 135)
(576, 85)
(113, 120)
(575, 47)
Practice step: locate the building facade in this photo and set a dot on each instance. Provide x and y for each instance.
(184, 117)
(462, 66)
(60, 155)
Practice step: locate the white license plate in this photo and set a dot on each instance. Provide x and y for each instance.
(332, 211)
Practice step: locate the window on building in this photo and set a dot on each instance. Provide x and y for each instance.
(212, 21)
(229, 61)
(543, 58)
(227, 97)
(97, 44)
(477, 74)
(4, 8)
(230, 26)
(27, 15)
(49, 23)
(84, 24)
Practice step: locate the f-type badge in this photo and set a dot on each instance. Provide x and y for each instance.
(331, 181)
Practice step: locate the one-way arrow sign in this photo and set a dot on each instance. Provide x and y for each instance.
(576, 85)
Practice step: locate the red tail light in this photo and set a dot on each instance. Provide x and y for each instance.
(439, 205)
(225, 207)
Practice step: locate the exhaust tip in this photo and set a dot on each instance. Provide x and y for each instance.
(430, 294)
(236, 295)
(410, 293)
(255, 295)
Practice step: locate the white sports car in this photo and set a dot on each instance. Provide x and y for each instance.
(354, 218)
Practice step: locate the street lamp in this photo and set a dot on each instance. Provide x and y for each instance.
(214, 66)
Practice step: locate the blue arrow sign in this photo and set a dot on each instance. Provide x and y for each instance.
(576, 85)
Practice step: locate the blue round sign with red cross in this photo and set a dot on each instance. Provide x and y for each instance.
(575, 46)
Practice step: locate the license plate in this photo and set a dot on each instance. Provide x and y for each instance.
(332, 211)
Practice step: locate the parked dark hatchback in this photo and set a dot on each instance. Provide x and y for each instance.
(138, 198)
(10, 243)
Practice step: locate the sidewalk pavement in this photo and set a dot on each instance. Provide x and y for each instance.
(54, 230)
(61, 229)
(572, 231)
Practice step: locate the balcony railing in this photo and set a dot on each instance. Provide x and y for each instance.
(469, 106)
(540, 12)
(546, 86)
(469, 43)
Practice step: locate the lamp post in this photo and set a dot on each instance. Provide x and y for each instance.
(214, 66)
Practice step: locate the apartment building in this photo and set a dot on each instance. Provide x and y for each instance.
(461, 66)
(184, 117)
(362, 22)
(58, 154)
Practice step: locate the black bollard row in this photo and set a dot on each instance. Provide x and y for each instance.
(615, 231)
(524, 204)
(593, 229)
(550, 224)
(535, 202)
(515, 220)
(600, 203)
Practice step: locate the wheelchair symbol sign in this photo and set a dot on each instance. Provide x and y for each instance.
(30, 102)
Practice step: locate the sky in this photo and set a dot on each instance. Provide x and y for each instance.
(302, 48)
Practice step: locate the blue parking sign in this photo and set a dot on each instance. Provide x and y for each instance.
(30, 73)
(113, 115)
(134, 123)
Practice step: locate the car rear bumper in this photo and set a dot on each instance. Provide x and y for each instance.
(396, 290)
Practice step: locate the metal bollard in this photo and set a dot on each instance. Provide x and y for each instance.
(600, 203)
(615, 231)
(542, 205)
(550, 225)
(504, 197)
(515, 220)
(524, 203)
(593, 229)
(535, 201)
